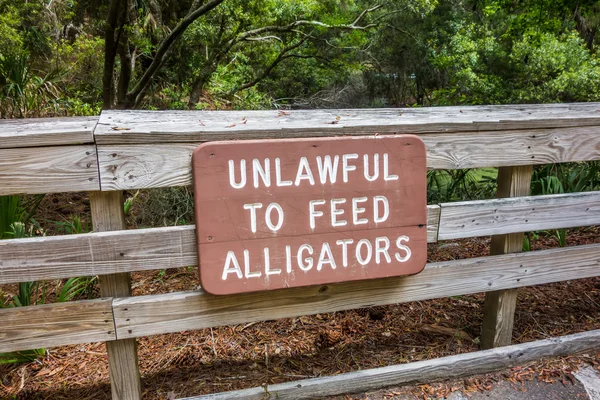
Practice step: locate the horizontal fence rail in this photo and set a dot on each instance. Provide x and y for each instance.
(149, 315)
(137, 166)
(103, 253)
(42, 132)
(35, 170)
(518, 214)
(139, 127)
(123, 153)
(58, 324)
(85, 321)
(443, 368)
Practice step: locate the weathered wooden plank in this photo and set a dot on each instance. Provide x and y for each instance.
(112, 252)
(101, 253)
(145, 165)
(519, 214)
(433, 221)
(48, 169)
(97, 253)
(36, 132)
(174, 312)
(499, 307)
(108, 215)
(451, 367)
(137, 127)
(58, 324)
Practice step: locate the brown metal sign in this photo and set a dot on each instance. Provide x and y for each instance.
(274, 214)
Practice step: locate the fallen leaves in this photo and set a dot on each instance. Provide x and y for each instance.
(335, 121)
(50, 372)
(243, 122)
(443, 330)
(325, 344)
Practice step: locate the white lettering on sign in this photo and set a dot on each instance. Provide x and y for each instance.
(327, 168)
(386, 170)
(344, 243)
(379, 214)
(269, 220)
(327, 171)
(371, 178)
(386, 209)
(304, 172)
(404, 247)
(263, 172)
(278, 180)
(335, 212)
(382, 249)
(358, 210)
(252, 207)
(232, 180)
(342, 212)
(303, 257)
(346, 168)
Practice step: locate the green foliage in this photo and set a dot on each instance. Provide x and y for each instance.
(15, 209)
(10, 212)
(76, 288)
(23, 93)
(75, 225)
(162, 207)
(566, 178)
(19, 357)
(425, 52)
(129, 203)
(461, 184)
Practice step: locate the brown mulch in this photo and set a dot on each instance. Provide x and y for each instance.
(242, 356)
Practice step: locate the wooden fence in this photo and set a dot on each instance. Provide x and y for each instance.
(124, 150)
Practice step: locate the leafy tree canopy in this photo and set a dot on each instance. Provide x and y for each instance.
(77, 56)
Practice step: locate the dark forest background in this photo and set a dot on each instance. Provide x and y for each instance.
(75, 57)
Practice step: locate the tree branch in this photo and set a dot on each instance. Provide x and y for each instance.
(164, 47)
(290, 27)
(282, 56)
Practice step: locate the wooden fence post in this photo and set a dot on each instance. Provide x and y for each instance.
(108, 215)
(499, 307)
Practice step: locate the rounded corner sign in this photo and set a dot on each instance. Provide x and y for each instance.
(274, 214)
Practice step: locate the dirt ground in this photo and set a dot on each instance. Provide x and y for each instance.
(242, 356)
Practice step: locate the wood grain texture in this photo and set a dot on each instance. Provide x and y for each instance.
(433, 221)
(137, 127)
(520, 214)
(108, 215)
(138, 166)
(48, 170)
(174, 312)
(499, 307)
(58, 324)
(96, 253)
(102, 253)
(452, 367)
(36, 132)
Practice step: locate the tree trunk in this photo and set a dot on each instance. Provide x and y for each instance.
(196, 92)
(125, 72)
(586, 29)
(201, 80)
(110, 53)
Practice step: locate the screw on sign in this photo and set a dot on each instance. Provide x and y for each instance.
(273, 214)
